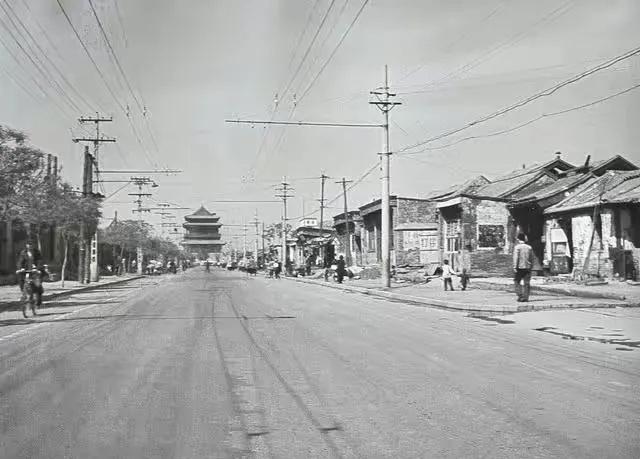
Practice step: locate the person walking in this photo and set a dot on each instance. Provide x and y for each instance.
(447, 272)
(522, 264)
(341, 270)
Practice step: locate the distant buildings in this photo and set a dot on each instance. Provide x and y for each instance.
(202, 235)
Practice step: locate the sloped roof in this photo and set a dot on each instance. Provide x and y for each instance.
(460, 188)
(503, 187)
(202, 212)
(616, 162)
(613, 187)
(561, 185)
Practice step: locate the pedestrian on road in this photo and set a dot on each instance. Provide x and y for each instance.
(341, 270)
(447, 272)
(522, 264)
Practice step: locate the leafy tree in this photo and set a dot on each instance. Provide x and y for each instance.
(273, 232)
(70, 211)
(21, 173)
(127, 234)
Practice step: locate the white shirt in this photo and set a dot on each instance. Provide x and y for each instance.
(447, 271)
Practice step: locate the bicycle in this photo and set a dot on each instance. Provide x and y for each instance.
(31, 289)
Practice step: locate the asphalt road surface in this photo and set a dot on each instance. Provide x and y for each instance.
(223, 365)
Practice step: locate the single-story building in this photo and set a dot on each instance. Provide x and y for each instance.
(597, 227)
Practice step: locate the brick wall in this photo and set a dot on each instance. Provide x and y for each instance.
(487, 261)
(582, 228)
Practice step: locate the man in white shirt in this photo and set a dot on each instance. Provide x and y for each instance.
(522, 264)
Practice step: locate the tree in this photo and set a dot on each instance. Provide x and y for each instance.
(127, 234)
(70, 211)
(21, 173)
(273, 231)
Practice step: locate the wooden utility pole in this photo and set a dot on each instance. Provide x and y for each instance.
(140, 182)
(382, 101)
(97, 140)
(87, 185)
(323, 179)
(256, 222)
(285, 189)
(346, 219)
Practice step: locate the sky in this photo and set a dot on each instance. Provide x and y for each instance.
(189, 65)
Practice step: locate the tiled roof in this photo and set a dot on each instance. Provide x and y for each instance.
(559, 186)
(613, 187)
(460, 188)
(502, 187)
(201, 212)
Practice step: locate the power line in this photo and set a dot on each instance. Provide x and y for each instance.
(141, 105)
(39, 66)
(283, 94)
(86, 50)
(545, 93)
(324, 42)
(527, 123)
(562, 9)
(461, 37)
(308, 50)
(48, 59)
(335, 50)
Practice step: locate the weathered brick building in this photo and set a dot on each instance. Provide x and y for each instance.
(352, 231)
(598, 226)
(412, 220)
(477, 230)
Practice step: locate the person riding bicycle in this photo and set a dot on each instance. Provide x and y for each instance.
(28, 259)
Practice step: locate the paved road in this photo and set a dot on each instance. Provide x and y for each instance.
(220, 365)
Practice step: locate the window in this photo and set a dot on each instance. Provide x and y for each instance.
(490, 236)
(429, 242)
(453, 236)
(371, 239)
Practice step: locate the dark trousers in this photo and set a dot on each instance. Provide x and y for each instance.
(524, 276)
(448, 282)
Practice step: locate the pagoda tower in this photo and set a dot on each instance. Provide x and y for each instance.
(202, 232)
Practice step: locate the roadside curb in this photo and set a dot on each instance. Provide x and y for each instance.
(552, 290)
(52, 296)
(449, 304)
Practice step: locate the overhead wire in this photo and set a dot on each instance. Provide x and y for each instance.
(284, 92)
(526, 123)
(45, 54)
(461, 37)
(32, 57)
(544, 93)
(324, 66)
(125, 78)
(335, 50)
(553, 15)
(103, 78)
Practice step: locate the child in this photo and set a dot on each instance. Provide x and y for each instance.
(447, 272)
(464, 279)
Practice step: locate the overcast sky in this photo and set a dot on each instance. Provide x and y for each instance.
(194, 63)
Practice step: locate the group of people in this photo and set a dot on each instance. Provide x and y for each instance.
(522, 266)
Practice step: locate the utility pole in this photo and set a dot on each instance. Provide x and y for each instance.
(87, 185)
(97, 140)
(346, 219)
(323, 179)
(382, 101)
(244, 241)
(256, 222)
(140, 182)
(285, 189)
